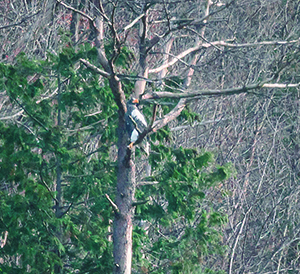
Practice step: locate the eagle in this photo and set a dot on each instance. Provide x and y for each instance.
(136, 124)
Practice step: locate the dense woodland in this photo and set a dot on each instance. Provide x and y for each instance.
(219, 84)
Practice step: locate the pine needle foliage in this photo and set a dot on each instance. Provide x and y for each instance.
(58, 160)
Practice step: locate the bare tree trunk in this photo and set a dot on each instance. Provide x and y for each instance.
(122, 236)
(74, 28)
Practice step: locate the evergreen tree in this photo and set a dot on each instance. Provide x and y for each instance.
(59, 173)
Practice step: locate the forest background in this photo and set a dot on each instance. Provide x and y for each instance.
(218, 82)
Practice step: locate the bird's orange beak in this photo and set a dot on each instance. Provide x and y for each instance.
(135, 101)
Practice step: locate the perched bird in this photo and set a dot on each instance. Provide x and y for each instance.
(136, 124)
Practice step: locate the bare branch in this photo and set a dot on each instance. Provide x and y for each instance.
(75, 10)
(140, 202)
(185, 97)
(168, 47)
(194, 60)
(278, 85)
(219, 43)
(189, 22)
(146, 183)
(140, 84)
(12, 116)
(3, 239)
(100, 9)
(203, 20)
(236, 241)
(201, 36)
(47, 187)
(255, 44)
(29, 114)
(114, 206)
(230, 91)
(175, 60)
(21, 21)
(98, 28)
(116, 39)
(94, 68)
(197, 124)
(153, 115)
(173, 114)
(114, 81)
(196, 94)
(132, 23)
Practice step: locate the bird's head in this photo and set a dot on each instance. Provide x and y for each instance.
(133, 101)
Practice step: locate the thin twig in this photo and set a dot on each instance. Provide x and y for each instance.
(75, 10)
(29, 114)
(47, 187)
(21, 21)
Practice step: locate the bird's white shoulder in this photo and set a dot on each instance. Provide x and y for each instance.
(136, 114)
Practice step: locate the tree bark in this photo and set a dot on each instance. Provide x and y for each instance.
(122, 235)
